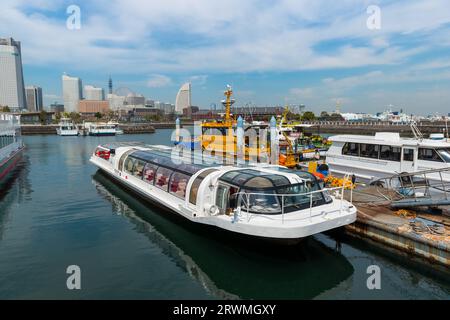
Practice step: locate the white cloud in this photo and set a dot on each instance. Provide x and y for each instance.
(246, 36)
(301, 92)
(198, 80)
(159, 81)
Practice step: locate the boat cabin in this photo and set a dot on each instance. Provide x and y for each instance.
(256, 188)
(386, 153)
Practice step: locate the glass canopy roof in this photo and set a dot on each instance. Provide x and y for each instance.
(253, 179)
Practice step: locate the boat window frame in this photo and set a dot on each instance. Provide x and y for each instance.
(123, 157)
(193, 192)
(154, 173)
(371, 145)
(347, 144)
(410, 157)
(136, 161)
(171, 181)
(228, 187)
(168, 179)
(391, 158)
(434, 151)
(445, 149)
(125, 169)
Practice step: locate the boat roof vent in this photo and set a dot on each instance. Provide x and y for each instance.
(389, 136)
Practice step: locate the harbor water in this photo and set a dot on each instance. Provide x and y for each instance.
(57, 210)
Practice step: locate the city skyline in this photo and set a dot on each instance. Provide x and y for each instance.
(288, 52)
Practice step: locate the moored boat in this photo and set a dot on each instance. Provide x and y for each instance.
(11, 145)
(100, 129)
(257, 200)
(375, 157)
(67, 128)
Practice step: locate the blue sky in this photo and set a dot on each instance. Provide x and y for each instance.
(272, 52)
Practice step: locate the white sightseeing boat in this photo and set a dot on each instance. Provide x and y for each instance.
(255, 200)
(386, 154)
(100, 128)
(67, 128)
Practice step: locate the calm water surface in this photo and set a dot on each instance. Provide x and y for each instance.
(57, 211)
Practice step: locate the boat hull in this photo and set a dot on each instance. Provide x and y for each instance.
(67, 133)
(102, 134)
(7, 165)
(212, 229)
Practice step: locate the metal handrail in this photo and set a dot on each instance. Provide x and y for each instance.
(246, 198)
(443, 186)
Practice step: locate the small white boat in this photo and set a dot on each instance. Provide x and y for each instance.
(67, 128)
(116, 126)
(100, 129)
(258, 200)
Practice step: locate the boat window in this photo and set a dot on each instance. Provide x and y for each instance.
(178, 184)
(222, 198)
(445, 154)
(390, 153)
(138, 168)
(165, 159)
(408, 154)
(262, 203)
(162, 178)
(258, 182)
(351, 149)
(122, 159)
(429, 155)
(150, 173)
(128, 167)
(301, 199)
(278, 180)
(369, 150)
(196, 185)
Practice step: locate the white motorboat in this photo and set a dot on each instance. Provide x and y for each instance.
(67, 128)
(100, 129)
(386, 154)
(258, 200)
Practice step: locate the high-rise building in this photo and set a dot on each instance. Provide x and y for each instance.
(57, 107)
(94, 93)
(12, 89)
(71, 93)
(110, 85)
(183, 98)
(93, 106)
(34, 99)
(135, 99)
(116, 102)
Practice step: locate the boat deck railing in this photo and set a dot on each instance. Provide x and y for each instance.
(6, 151)
(339, 193)
(420, 188)
(8, 127)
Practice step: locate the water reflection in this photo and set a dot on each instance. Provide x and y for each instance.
(230, 268)
(13, 189)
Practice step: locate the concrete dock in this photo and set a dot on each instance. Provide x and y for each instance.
(413, 233)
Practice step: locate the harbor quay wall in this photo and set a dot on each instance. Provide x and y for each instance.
(346, 127)
(32, 129)
(370, 128)
(319, 127)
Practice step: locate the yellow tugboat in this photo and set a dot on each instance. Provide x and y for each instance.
(218, 137)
